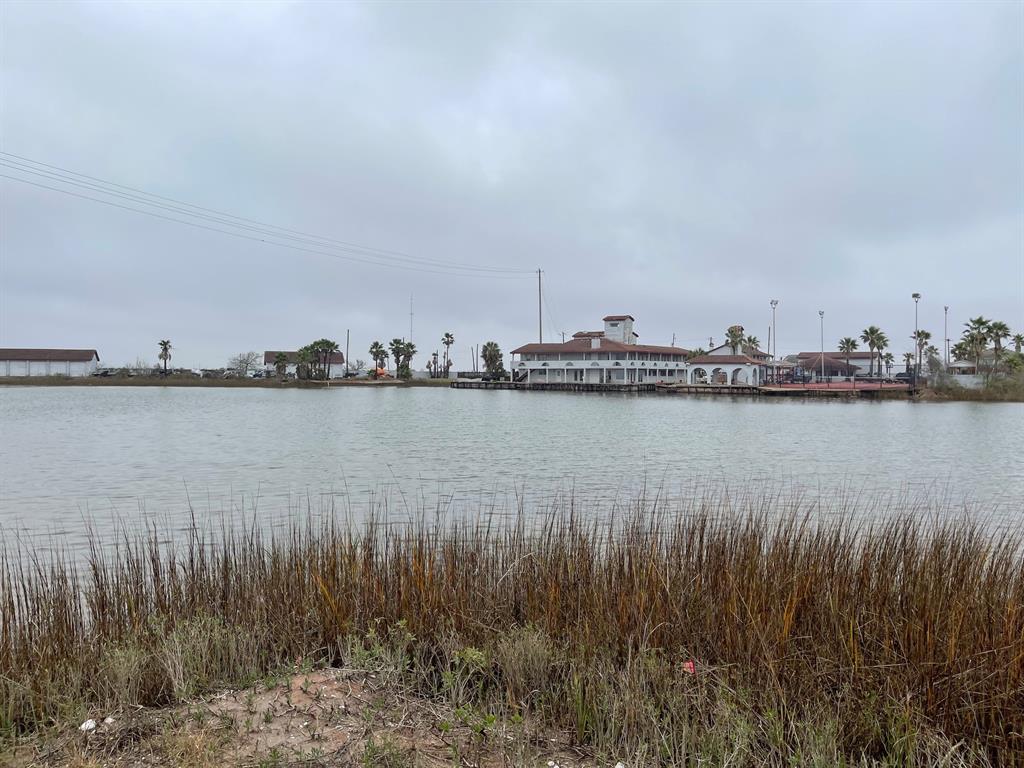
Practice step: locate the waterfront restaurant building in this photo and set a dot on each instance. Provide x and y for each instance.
(609, 356)
(48, 362)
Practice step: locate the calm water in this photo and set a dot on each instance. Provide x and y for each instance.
(70, 455)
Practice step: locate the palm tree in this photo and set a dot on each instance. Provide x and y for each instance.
(325, 350)
(847, 345)
(380, 356)
(881, 343)
(734, 337)
(752, 342)
(908, 359)
(491, 355)
(976, 336)
(303, 362)
(281, 364)
(977, 325)
(165, 353)
(699, 351)
(869, 336)
(448, 339)
(888, 359)
(1018, 342)
(920, 339)
(997, 331)
(397, 346)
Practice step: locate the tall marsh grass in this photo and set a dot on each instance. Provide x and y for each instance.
(812, 642)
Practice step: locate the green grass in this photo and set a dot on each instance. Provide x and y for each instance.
(813, 644)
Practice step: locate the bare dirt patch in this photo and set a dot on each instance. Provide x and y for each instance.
(331, 717)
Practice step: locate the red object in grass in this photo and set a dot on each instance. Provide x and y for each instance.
(689, 667)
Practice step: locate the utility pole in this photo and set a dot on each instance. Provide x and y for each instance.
(563, 337)
(346, 350)
(540, 322)
(673, 339)
(410, 318)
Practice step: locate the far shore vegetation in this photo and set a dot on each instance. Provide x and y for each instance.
(728, 632)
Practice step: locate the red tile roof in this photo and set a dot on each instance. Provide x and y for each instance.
(833, 364)
(607, 345)
(747, 350)
(840, 355)
(725, 360)
(52, 355)
(293, 358)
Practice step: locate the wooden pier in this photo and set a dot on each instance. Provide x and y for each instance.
(570, 386)
(708, 389)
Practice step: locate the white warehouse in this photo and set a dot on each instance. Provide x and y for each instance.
(48, 362)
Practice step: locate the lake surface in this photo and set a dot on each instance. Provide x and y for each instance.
(71, 455)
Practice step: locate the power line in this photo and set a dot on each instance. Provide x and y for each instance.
(547, 308)
(96, 184)
(260, 239)
(348, 245)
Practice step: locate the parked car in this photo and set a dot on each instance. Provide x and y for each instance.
(903, 377)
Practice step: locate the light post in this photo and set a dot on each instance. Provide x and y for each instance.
(945, 332)
(821, 316)
(775, 344)
(917, 341)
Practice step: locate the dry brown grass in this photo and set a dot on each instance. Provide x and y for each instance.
(901, 644)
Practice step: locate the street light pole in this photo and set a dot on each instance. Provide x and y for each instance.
(917, 341)
(775, 343)
(945, 331)
(821, 316)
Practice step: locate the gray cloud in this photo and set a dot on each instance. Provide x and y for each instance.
(684, 163)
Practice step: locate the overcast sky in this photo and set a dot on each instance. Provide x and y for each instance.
(681, 163)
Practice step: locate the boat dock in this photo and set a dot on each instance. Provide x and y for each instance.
(570, 386)
(729, 390)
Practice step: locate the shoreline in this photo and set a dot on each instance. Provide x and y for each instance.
(185, 381)
(892, 394)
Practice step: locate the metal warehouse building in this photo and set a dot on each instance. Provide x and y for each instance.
(48, 362)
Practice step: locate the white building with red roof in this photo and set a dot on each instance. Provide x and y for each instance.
(745, 366)
(609, 356)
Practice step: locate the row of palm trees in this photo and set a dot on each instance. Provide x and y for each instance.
(978, 333)
(876, 340)
(314, 359)
(401, 353)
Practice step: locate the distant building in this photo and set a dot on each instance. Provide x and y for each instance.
(609, 356)
(832, 364)
(48, 362)
(337, 363)
(860, 362)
